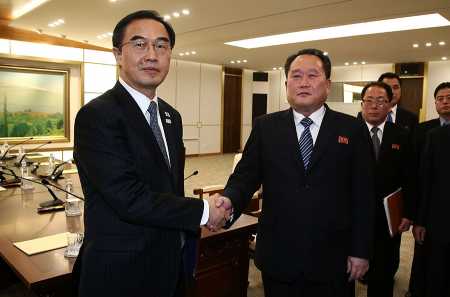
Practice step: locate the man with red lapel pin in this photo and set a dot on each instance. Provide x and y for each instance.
(314, 231)
(391, 155)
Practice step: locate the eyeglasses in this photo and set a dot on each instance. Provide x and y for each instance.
(142, 45)
(441, 99)
(377, 102)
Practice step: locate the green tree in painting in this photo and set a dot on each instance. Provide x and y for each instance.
(20, 130)
(60, 124)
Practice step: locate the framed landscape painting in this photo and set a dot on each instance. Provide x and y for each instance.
(33, 102)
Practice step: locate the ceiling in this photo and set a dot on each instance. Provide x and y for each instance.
(211, 23)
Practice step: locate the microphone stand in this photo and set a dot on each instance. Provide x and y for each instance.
(6, 151)
(192, 174)
(47, 205)
(18, 164)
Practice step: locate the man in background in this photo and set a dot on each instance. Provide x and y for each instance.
(392, 159)
(418, 269)
(398, 115)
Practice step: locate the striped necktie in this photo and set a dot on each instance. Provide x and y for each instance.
(152, 109)
(306, 142)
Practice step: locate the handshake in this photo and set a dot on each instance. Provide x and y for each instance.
(220, 211)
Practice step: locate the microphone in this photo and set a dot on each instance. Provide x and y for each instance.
(58, 170)
(18, 164)
(56, 201)
(192, 174)
(6, 151)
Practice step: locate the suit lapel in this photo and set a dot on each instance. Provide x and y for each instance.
(386, 142)
(137, 120)
(326, 132)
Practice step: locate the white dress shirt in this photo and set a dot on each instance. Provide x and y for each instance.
(316, 117)
(380, 130)
(394, 113)
(143, 102)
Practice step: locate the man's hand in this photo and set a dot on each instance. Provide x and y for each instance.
(419, 233)
(220, 209)
(404, 225)
(222, 201)
(356, 267)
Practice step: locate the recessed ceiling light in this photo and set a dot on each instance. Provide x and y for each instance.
(245, 61)
(274, 68)
(185, 12)
(444, 58)
(415, 45)
(347, 63)
(366, 28)
(176, 14)
(193, 52)
(363, 62)
(167, 17)
(181, 54)
(428, 44)
(187, 53)
(238, 61)
(232, 62)
(58, 22)
(355, 63)
(280, 68)
(112, 1)
(325, 53)
(441, 42)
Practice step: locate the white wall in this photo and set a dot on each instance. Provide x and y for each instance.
(438, 72)
(194, 89)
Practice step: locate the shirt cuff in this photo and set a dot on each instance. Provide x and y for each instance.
(205, 215)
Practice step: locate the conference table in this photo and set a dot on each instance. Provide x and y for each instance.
(223, 256)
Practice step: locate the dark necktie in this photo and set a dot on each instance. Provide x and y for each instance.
(375, 141)
(306, 142)
(389, 117)
(152, 109)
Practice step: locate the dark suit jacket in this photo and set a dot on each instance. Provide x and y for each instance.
(392, 170)
(134, 207)
(419, 139)
(310, 221)
(406, 119)
(435, 198)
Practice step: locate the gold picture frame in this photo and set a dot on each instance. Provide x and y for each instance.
(34, 102)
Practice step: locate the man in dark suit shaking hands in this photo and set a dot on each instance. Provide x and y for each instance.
(130, 155)
(314, 230)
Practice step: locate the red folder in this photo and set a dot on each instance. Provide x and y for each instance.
(393, 206)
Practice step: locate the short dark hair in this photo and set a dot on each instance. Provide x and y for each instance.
(390, 75)
(119, 30)
(379, 84)
(326, 63)
(444, 85)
